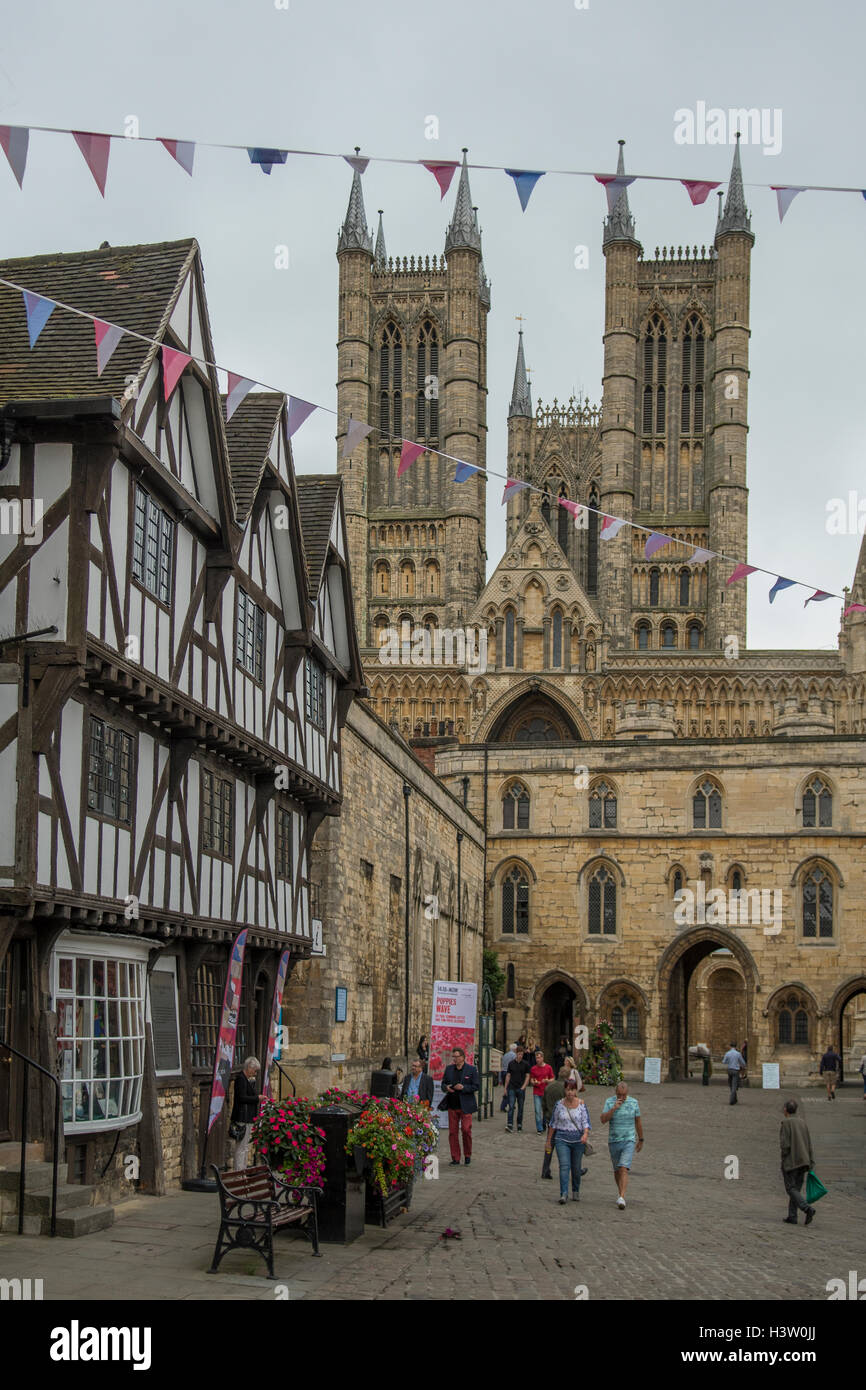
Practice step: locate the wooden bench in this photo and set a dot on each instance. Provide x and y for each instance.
(254, 1203)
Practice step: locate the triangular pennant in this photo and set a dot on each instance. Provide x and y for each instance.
(779, 585)
(181, 150)
(655, 542)
(464, 471)
(443, 173)
(512, 485)
(39, 311)
(95, 149)
(698, 190)
(855, 607)
(357, 163)
(15, 139)
(785, 195)
(524, 181)
(356, 430)
(610, 525)
(174, 363)
(238, 388)
(740, 572)
(573, 507)
(699, 555)
(107, 336)
(819, 596)
(298, 412)
(408, 455)
(614, 187)
(266, 159)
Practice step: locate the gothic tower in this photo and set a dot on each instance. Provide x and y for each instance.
(412, 362)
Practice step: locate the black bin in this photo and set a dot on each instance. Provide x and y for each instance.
(382, 1084)
(341, 1209)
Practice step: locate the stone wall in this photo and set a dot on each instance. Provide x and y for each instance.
(171, 1121)
(358, 875)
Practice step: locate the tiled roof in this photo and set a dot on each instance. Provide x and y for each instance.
(249, 433)
(132, 286)
(317, 498)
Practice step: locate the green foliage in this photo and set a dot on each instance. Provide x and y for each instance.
(602, 1064)
(494, 975)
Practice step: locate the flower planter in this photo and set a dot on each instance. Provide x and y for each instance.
(379, 1210)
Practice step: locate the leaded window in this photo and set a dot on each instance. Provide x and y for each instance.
(792, 1026)
(249, 635)
(817, 804)
(391, 382)
(427, 381)
(692, 403)
(818, 905)
(109, 771)
(602, 903)
(707, 807)
(602, 807)
(152, 546)
(625, 1020)
(515, 808)
(515, 903)
(217, 812)
(557, 638)
(205, 1013)
(655, 376)
(283, 855)
(314, 690)
(99, 1000)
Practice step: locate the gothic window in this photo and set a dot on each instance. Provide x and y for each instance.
(562, 520)
(669, 635)
(602, 903)
(515, 808)
(736, 881)
(509, 982)
(654, 588)
(432, 573)
(707, 807)
(427, 411)
(602, 807)
(692, 416)
(557, 639)
(647, 410)
(655, 375)
(390, 381)
(509, 637)
(642, 635)
(383, 577)
(677, 881)
(660, 410)
(694, 636)
(397, 415)
(699, 410)
(817, 805)
(592, 546)
(686, 411)
(817, 905)
(792, 1026)
(515, 903)
(545, 508)
(407, 579)
(625, 1019)
(684, 588)
(536, 730)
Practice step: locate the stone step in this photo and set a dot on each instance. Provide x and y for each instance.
(32, 1225)
(10, 1153)
(38, 1177)
(68, 1196)
(82, 1222)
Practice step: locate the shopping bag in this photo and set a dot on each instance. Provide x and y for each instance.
(815, 1189)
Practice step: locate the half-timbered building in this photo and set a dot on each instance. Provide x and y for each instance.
(177, 659)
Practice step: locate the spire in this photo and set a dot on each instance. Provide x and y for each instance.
(355, 234)
(380, 254)
(619, 226)
(735, 217)
(521, 402)
(463, 230)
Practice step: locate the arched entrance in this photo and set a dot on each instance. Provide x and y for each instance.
(729, 979)
(848, 1015)
(560, 1005)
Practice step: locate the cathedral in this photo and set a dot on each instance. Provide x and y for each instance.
(674, 821)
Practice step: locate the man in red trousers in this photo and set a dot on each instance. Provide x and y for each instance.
(459, 1083)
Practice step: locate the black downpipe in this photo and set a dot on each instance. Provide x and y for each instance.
(407, 792)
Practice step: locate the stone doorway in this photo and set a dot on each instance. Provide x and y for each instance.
(706, 982)
(848, 1029)
(558, 1015)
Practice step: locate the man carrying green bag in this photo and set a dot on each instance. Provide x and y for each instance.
(797, 1160)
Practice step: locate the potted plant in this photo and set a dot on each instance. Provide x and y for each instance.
(393, 1135)
(286, 1141)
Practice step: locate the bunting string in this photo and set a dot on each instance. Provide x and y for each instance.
(39, 308)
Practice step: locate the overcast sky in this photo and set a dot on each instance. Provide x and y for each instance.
(539, 86)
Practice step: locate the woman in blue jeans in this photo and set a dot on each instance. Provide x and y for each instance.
(569, 1130)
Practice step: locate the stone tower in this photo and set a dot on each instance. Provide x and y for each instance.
(412, 362)
(673, 430)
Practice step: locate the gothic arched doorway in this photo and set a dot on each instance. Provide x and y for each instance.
(560, 1007)
(728, 1003)
(847, 1029)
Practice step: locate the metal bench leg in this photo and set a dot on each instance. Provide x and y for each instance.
(218, 1252)
(315, 1236)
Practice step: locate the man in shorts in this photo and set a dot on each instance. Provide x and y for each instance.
(622, 1113)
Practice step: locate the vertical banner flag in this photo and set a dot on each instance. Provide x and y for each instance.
(174, 364)
(181, 150)
(443, 173)
(355, 432)
(14, 140)
(225, 1053)
(276, 1010)
(779, 585)
(452, 1024)
(785, 196)
(610, 527)
(408, 455)
(698, 190)
(238, 388)
(298, 412)
(464, 471)
(524, 181)
(107, 336)
(95, 150)
(39, 311)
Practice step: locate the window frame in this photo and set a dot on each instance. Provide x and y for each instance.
(162, 551)
(249, 624)
(209, 781)
(315, 693)
(124, 739)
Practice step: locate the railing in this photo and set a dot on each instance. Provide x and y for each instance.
(22, 1176)
(286, 1075)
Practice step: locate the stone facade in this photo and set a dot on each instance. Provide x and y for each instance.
(358, 874)
(171, 1133)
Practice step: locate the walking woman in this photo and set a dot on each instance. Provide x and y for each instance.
(573, 1072)
(423, 1052)
(569, 1131)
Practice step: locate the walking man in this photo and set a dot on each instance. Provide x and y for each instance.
(797, 1158)
(509, 1056)
(622, 1113)
(734, 1061)
(516, 1079)
(460, 1082)
(417, 1086)
(831, 1065)
(540, 1075)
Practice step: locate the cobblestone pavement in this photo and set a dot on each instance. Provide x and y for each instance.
(688, 1232)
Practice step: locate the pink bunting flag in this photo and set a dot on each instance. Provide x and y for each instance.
(698, 190)
(298, 412)
(107, 336)
(357, 162)
(854, 608)
(408, 455)
(174, 364)
(181, 150)
(819, 596)
(356, 430)
(740, 572)
(239, 388)
(614, 186)
(785, 195)
(573, 507)
(95, 149)
(512, 485)
(699, 555)
(610, 526)
(655, 542)
(14, 140)
(443, 173)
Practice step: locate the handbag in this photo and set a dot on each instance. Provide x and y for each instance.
(815, 1189)
(237, 1131)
